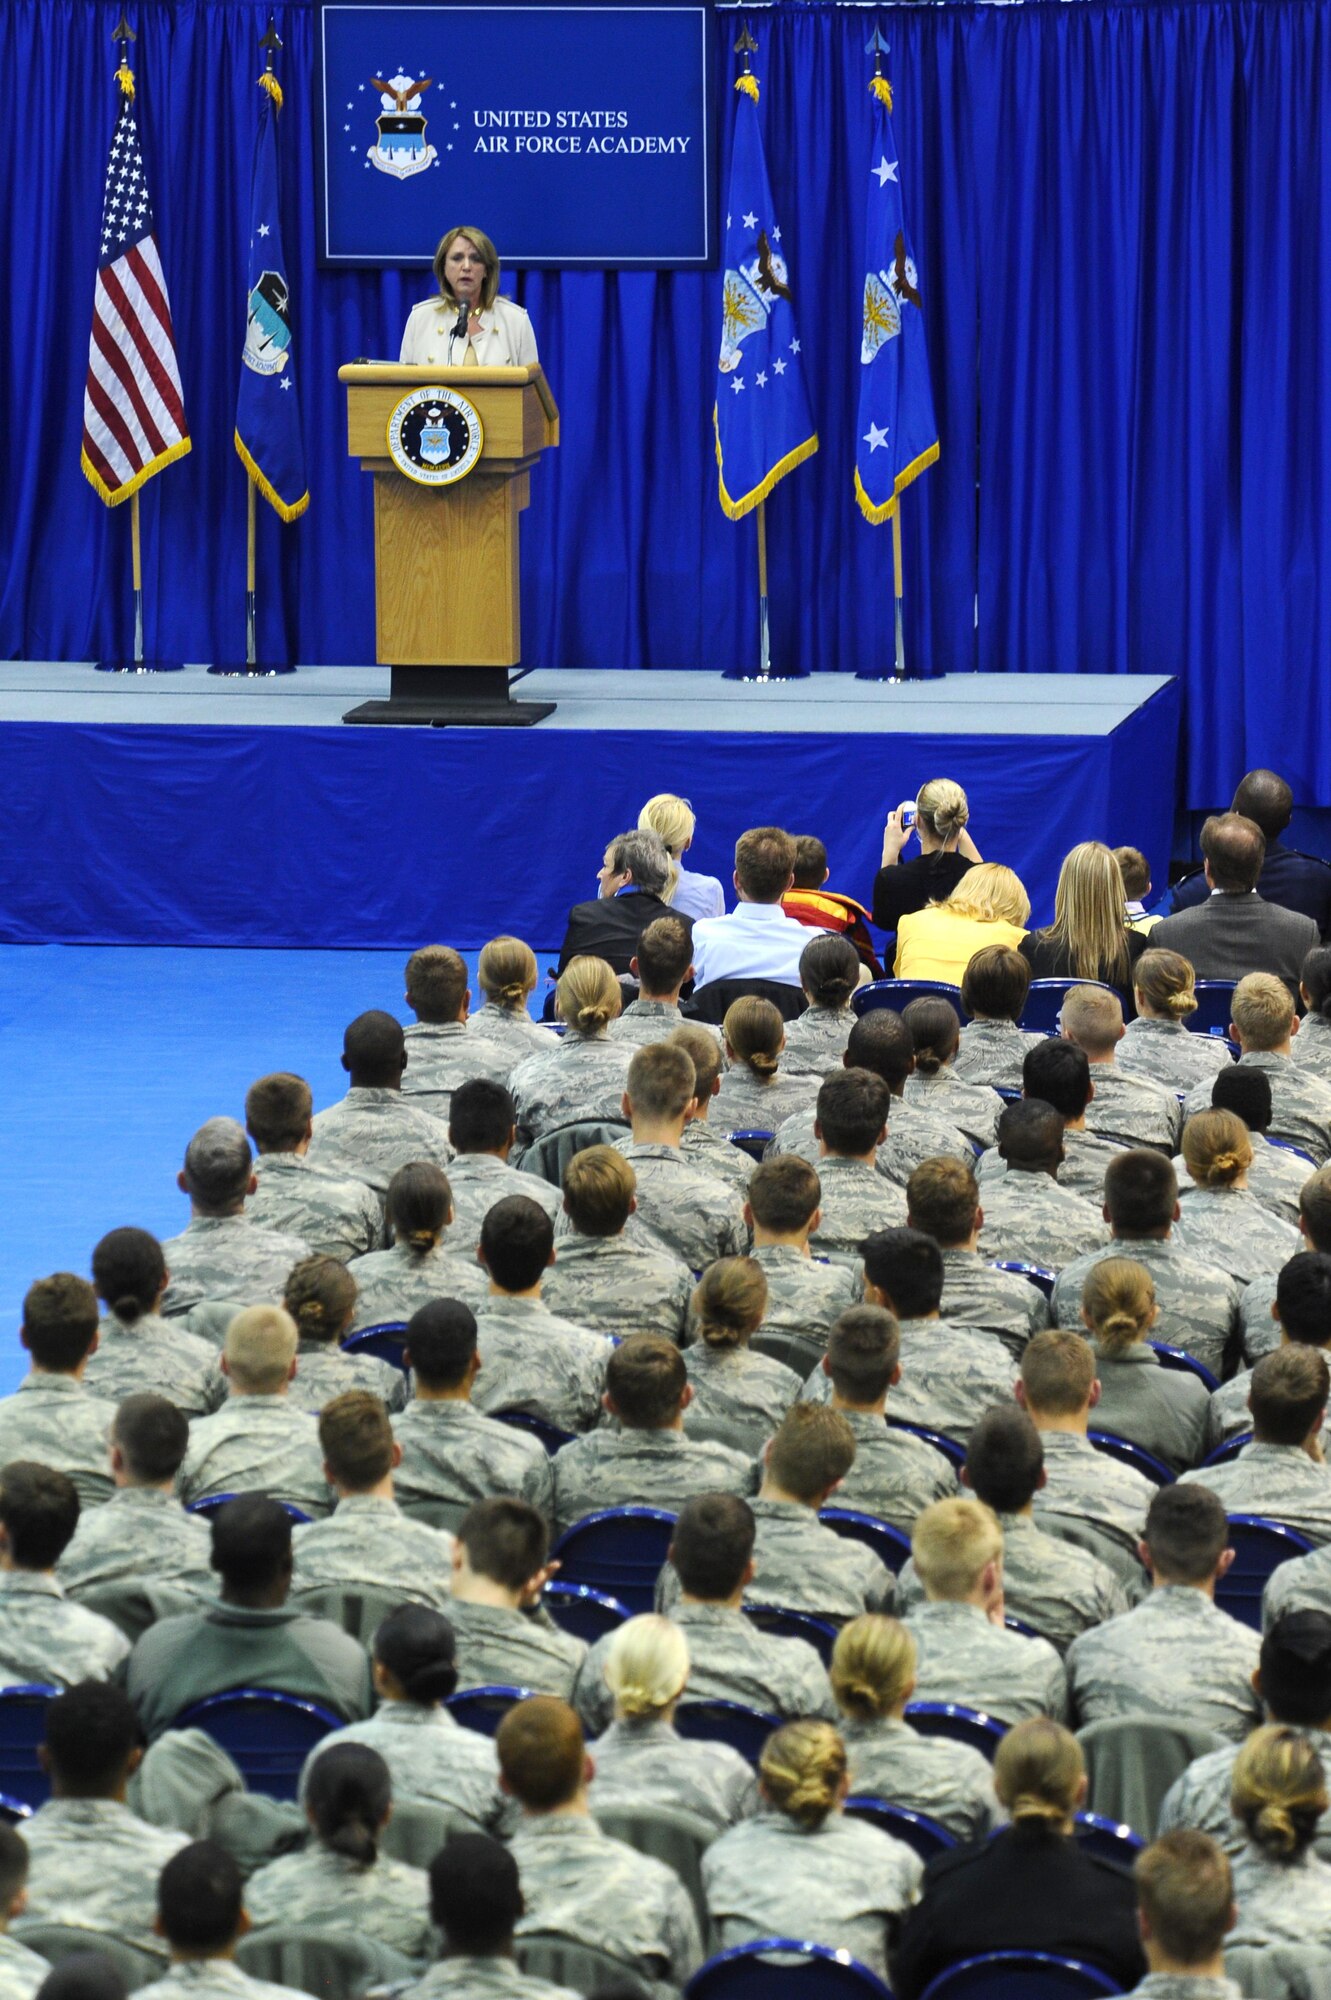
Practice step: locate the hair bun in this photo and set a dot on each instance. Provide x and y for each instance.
(128, 1310)
(1275, 1829)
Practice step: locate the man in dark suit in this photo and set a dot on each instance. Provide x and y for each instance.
(1296, 881)
(635, 870)
(1235, 930)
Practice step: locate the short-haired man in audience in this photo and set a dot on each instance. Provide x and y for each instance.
(1293, 1684)
(534, 1360)
(51, 1416)
(1058, 1073)
(692, 1213)
(1185, 1897)
(1261, 1330)
(451, 1453)
(1235, 930)
(443, 1050)
(1282, 1474)
(964, 1651)
(202, 1918)
(93, 1863)
(1176, 1653)
(1088, 1497)
(1131, 1110)
(1276, 1175)
(757, 940)
(1301, 1314)
(993, 1047)
(476, 1902)
(260, 1441)
(850, 1123)
(730, 1658)
(574, 1877)
(1199, 1306)
(648, 1461)
(504, 1636)
(662, 964)
(894, 1475)
(881, 1042)
(1053, 1586)
(369, 1543)
(630, 895)
(21, 1971)
(606, 1276)
(221, 1254)
(336, 1214)
(374, 1129)
(482, 1129)
(43, 1636)
(704, 1144)
(252, 1637)
(1135, 869)
(1263, 1022)
(142, 1531)
(1029, 1216)
(804, 1293)
(943, 1200)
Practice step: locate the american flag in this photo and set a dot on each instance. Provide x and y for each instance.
(133, 406)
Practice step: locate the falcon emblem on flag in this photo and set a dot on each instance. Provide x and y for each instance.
(268, 325)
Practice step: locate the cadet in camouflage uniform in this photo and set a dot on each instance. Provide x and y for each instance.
(1220, 1219)
(1093, 1499)
(695, 1216)
(830, 971)
(200, 1910)
(648, 1461)
(1157, 1044)
(1265, 1022)
(703, 1144)
(222, 1254)
(895, 1476)
(804, 1293)
(260, 1441)
(531, 1360)
(584, 1075)
(369, 1543)
(1132, 1109)
(912, 1136)
(644, 1021)
(755, 1094)
(475, 1901)
(1131, 1666)
(950, 1374)
(855, 1198)
(142, 1531)
(604, 1277)
(943, 1200)
(391, 1284)
(51, 1417)
(1283, 1894)
(738, 1396)
(320, 1296)
(1029, 1218)
(992, 1052)
(963, 1655)
(1278, 1476)
(504, 1635)
(663, 963)
(450, 1452)
(136, 1348)
(482, 1129)
(506, 973)
(44, 1637)
(1185, 1893)
(444, 1049)
(373, 1130)
(336, 1214)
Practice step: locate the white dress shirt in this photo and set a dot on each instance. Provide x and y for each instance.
(756, 941)
(505, 338)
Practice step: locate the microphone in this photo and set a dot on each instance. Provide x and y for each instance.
(460, 324)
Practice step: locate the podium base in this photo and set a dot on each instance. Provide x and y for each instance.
(139, 666)
(249, 670)
(451, 698)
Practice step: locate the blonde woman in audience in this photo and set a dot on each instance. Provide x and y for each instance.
(830, 971)
(738, 1396)
(873, 1677)
(582, 1076)
(1164, 1410)
(506, 974)
(1220, 1218)
(934, 1086)
(642, 1761)
(1312, 1044)
(321, 1295)
(673, 819)
(1278, 1794)
(390, 1284)
(988, 906)
(753, 1095)
(1089, 937)
(942, 813)
(801, 1868)
(1157, 1043)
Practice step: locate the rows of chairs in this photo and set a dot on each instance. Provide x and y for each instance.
(1044, 1001)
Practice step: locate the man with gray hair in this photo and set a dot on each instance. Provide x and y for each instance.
(259, 1441)
(629, 896)
(221, 1254)
(1135, 1110)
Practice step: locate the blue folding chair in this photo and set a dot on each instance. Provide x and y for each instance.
(1010, 1093)
(1045, 1000)
(963, 1725)
(925, 1836)
(1215, 1007)
(1035, 1273)
(1298, 1152)
(1128, 1453)
(954, 1453)
(268, 1735)
(588, 1614)
(802, 1972)
(22, 1728)
(1020, 1627)
(1183, 1363)
(819, 1633)
(621, 1551)
(899, 993)
(888, 1543)
(386, 1342)
(213, 1503)
(522, 1420)
(753, 1143)
(744, 1729)
(1107, 1839)
(13, 1810)
(1229, 1450)
(1260, 1546)
(1020, 1975)
(484, 1708)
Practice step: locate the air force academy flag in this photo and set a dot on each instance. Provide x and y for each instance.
(267, 405)
(763, 426)
(896, 433)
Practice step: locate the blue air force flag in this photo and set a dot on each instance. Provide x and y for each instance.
(763, 425)
(896, 433)
(267, 405)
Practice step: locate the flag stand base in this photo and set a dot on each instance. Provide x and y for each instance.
(252, 670)
(139, 666)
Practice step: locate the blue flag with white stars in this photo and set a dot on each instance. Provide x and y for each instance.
(897, 436)
(763, 425)
(267, 405)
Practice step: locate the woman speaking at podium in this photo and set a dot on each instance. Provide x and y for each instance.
(468, 325)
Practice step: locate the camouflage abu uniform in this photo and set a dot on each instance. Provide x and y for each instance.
(856, 1200)
(1199, 1306)
(151, 1354)
(619, 1285)
(803, 1565)
(748, 1393)
(972, 1107)
(502, 1648)
(450, 1451)
(913, 1134)
(477, 1181)
(531, 1360)
(140, 1532)
(804, 1294)
(747, 1102)
(644, 1021)
(1229, 1227)
(1086, 1155)
(993, 1052)
(1051, 1585)
(1300, 1102)
(1200, 1798)
(582, 1077)
(1279, 1482)
(1275, 1178)
(642, 1468)
(1170, 1054)
(1175, 1654)
(257, 1444)
(323, 1371)
(21, 1971)
(950, 1375)
(816, 1041)
(1312, 1045)
(895, 1476)
(393, 1284)
(949, 1781)
(1133, 1109)
(706, 1147)
(45, 1637)
(94, 1864)
(228, 1257)
(431, 1760)
(213, 1979)
(730, 1659)
(595, 1890)
(370, 1544)
(976, 1293)
(514, 1025)
(371, 1132)
(325, 1891)
(697, 1217)
(1031, 1219)
(337, 1215)
(1161, 1409)
(460, 1977)
(1084, 1490)
(55, 1421)
(648, 1763)
(442, 1055)
(963, 1658)
(1281, 1902)
(1261, 1330)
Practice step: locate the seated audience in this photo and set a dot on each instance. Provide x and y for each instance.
(335, 1213)
(631, 881)
(451, 1453)
(757, 940)
(136, 1348)
(201, 1918)
(1220, 1219)
(21, 1970)
(946, 852)
(390, 1284)
(1234, 930)
(1164, 1410)
(816, 1041)
(506, 975)
(850, 1123)
(580, 1078)
(704, 1144)
(368, 1543)
(1132, 1110)
(340, 1881)
(475, 1902)
(92, 1862)
(482, 1130)
(964, 1652)
(933, 1085)
(1185, 1909)
(641, 1762)
(1277, 1174)
(1312, 1049)
(1281, 1475)
(51, 1416)
(443, 1048)
(881, 1042)
(1300, 1313)
(222, 1254)
(738, 1396)
(813, 903)
(321, 1298)
(988, 906)
(895, 1475)
(1032, 1887)
(1261, 1332)
(690, 894)
(504, 1636)
(1058, 1074)
(943, 1200)
(1088, 938)
(802, 1868)
(754, 1095)
(1157, 1043)
(993, 996)
(662, 964)
(142, 1531)
(1281, 1887)
(1136, 872)
(535, 1361)
(1263, 1022)
(1088, 1497)
(1030, 1216)
(606, 1276)
(804, 1293)
(43, 1636)
(1295, 881)
(950, 1374)
(575, 1879)
(684, 1207)
(1175, 1654)
(873, 1678)
(374, 1130)
(260, 1441)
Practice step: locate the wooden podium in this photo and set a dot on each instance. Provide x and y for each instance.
(447, 616)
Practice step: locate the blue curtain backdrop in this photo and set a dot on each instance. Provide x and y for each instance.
(1122, 217)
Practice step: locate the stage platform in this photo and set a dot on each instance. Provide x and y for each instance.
(187, 810)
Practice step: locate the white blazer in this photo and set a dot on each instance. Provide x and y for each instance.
(504, 341)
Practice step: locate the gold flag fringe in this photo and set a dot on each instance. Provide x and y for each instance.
(270, 83)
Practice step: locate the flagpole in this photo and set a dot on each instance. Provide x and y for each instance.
(896, 590)
(250, 655)
(764, 639)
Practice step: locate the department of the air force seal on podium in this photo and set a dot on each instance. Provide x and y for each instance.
(435, 436)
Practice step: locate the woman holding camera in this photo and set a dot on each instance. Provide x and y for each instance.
(946, 851)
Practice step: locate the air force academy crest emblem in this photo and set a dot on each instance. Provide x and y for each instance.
(268, 325)
(401, 148)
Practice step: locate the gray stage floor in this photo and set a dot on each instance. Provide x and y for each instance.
(961, 705)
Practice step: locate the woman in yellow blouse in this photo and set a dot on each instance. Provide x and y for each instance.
(988, 906)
